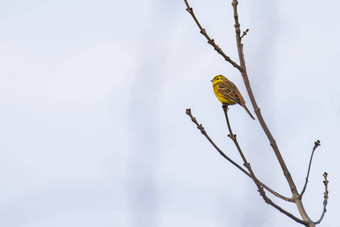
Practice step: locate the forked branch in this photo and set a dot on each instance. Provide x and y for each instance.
(201, 128)
(244, 33)
(203, 131)
(256, 181)
(210, 40)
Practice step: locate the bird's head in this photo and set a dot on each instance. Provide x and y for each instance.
(218, 79)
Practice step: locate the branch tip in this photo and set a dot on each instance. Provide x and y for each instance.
(244, 33)
(234, 3)
(325, 182)
(317, 143)
(325, 198)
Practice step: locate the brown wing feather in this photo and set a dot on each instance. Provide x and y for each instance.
(230, 91)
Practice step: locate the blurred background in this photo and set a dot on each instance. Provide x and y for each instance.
(92, 112)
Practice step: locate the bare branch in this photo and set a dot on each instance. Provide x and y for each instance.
(270, 202)
(256, 181)
(233, 137)
(238, 36)
(296, 197)
(263, 124)
(211, 41)
(255, 106)
(316, 144)
(325, 198)
(244, 33)
(201, 128)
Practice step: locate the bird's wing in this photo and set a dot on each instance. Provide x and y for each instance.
(230, 91)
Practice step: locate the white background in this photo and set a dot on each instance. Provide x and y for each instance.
(93, 130)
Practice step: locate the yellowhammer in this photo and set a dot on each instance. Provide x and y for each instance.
(227, 92)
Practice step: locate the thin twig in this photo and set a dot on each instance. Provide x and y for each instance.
(316, 144)
(211, 41)
(238, 37)
(244, 33)
(201, 128)
(325, 198)
(233, 136)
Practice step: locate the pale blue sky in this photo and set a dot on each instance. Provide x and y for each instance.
(92, 112)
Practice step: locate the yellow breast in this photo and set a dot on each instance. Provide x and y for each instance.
(221, 98)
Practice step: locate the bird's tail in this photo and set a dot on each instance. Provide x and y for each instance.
(244, 106)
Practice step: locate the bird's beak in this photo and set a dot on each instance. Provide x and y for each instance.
(212, 80)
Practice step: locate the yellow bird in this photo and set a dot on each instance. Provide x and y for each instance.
(227, 93)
